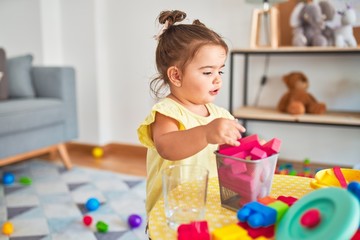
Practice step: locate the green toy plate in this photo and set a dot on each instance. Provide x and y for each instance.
(340, 216)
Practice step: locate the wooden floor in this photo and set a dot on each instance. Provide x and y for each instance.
(118, 158)
(130, 159)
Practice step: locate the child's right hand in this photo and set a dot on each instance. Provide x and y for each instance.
(224, 131)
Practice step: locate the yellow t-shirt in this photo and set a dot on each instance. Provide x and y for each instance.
(187, 119)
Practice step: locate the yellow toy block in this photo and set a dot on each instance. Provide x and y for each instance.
(230, 232)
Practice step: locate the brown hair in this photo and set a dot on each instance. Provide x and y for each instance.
(177, 46)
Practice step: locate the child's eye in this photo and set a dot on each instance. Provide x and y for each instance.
(221, 73)
(207, 73)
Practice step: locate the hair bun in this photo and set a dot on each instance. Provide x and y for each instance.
(171, 16)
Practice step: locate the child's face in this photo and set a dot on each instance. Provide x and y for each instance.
(201, 80)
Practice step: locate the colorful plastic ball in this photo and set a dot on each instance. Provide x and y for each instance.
(102, 227)
(8, 228)
(92, 204)
(97, 152)
(87, 220)
(8, 178)
(134, 220)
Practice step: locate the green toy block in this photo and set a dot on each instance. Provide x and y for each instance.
(280, 207)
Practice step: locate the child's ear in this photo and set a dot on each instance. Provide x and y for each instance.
(174, 76)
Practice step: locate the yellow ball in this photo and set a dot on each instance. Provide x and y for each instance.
(7, 228)
(97, 152)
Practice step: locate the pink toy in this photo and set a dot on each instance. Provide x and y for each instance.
(311, 218)
(195, 230)
(272, 146)
(288, 200)
(249, 142)
(256, 153)
(87, 220)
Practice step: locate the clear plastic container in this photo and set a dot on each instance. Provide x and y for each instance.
(242, 181)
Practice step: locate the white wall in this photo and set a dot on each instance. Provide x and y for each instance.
(111, 45)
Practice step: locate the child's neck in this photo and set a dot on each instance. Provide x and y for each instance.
(194, 108)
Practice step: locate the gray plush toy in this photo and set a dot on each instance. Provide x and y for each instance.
(308, 21)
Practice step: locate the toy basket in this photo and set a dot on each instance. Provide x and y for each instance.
(242, 181)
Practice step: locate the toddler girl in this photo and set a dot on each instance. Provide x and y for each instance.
(185, 127)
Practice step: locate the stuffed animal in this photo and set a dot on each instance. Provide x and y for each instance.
(344, 36)
(297, 100)
(308, 21)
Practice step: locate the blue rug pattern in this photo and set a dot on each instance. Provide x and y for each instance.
(52, 207)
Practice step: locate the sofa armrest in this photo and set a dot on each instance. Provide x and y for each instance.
(58, 82)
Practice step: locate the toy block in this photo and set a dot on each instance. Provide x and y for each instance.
(249, 142)
(288, 200)
(195, 230)
(266, 200)
(280, 207)
(257, 233)
(354, 188)
(236, 182)
(272, 146)
(257, 215)
(256, 153)
(230, 232)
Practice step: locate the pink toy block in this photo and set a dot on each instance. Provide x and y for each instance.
(249, 142)
(256, 153)
(198, 230)
(238, 183)
(272, 146)
(288, 200)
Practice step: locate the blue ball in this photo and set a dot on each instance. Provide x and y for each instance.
(134, 221)
(8, 178)
(92, 204)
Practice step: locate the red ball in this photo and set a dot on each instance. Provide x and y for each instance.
(87, 220)
(311, 218)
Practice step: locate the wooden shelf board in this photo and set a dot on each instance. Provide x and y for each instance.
(270, 114)
(300, 50)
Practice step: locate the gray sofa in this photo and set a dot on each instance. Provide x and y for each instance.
(38, 112)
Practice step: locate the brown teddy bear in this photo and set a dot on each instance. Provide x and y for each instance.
(297, 100)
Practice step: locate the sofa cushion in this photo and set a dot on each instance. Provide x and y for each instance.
(24, 114)
(3, 76)
(19, 77)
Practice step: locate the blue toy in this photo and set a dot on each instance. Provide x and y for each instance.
(92, 204)
(8, 178)
(257, 215)
(134, 220)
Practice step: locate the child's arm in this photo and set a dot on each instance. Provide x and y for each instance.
(173, 144)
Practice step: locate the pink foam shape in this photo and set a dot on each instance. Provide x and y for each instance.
(256, 153)
(272, 146)
(249, 142)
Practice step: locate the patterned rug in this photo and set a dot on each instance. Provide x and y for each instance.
(53, 206)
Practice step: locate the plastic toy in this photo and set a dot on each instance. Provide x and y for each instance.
(97, 152)
(25, 181)
(92, 204)
(134, 221)
(257, 233)
(198, 230)
(327, 178)
(7, 228)
(230, 232)
(257, 215)
(102, 227)
(87, 220)
(338, 211)
(8, 178)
